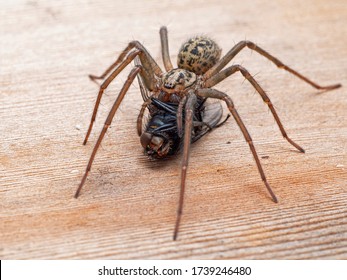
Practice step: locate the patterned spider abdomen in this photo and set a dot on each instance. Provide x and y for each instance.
(198, 55)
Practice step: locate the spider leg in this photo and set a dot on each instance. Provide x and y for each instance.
(108, 121)
(143, 89)
(145, 97)
(188, 125)
(131, 45)
(238, 68)
(165, 48)
(140, 116)
(150, 68)
(213, 93)
(104, 85)
(238, 47)
(180, 116)
(113, 65)
(196, 123)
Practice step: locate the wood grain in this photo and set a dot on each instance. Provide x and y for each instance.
(127, 208)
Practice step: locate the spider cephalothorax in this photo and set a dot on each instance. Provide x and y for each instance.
(178, 80)
(176, 99)
(174, 85)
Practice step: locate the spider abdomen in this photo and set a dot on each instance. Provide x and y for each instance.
(198, 54)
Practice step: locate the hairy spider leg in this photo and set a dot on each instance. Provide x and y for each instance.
(140, 116)
(239, 46)
(213, 93)
(104, 85)
(143, 90)
(108, 121)
(146, 99)
(131, 45)
(150, 68)
(188, 125)
(238, 68)
(180, 116)
(165, 49)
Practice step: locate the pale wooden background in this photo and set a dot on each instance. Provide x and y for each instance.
(128, 206)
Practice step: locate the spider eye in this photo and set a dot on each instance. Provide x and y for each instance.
(169, 85)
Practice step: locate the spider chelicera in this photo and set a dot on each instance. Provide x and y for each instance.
(177, 95)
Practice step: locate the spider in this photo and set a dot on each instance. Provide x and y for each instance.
(177, 95)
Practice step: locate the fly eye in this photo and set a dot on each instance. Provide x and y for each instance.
(145, 139)
(149, 141)
(156, 142)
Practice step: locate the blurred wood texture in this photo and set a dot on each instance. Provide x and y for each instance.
(127, 208)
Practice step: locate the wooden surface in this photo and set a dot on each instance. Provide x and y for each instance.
(128, 206)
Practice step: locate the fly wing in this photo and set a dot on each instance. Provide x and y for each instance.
(213, 113)
(211, 117)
